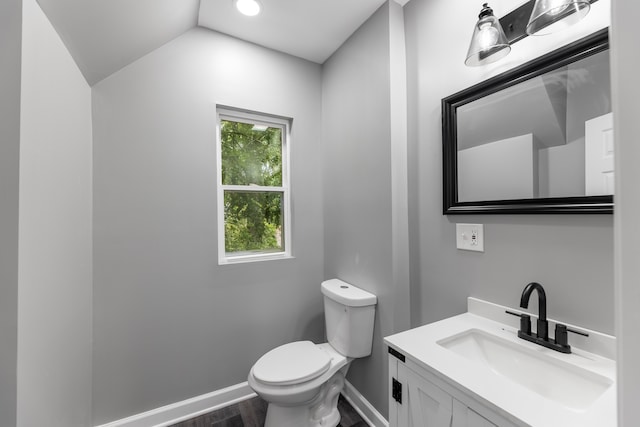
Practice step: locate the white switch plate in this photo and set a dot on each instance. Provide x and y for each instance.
(470, 237)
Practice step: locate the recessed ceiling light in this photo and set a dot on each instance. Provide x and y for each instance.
(248, 7)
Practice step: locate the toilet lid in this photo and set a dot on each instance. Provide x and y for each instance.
(292, 363)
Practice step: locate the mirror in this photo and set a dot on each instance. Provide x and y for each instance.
(536, 139)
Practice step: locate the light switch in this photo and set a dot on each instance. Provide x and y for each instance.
(470, 237)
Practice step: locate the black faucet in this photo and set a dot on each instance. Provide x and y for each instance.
(541, 337)
(543, 326)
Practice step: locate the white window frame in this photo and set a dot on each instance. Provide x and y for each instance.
(236, 115)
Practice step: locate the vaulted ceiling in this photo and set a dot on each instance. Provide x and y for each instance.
(105, 35)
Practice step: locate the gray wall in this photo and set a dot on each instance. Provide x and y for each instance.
(10, 46)
(55, 276)
(157, 287)
(359, 177)
(169, 322)
(626, 104)
(572, 256)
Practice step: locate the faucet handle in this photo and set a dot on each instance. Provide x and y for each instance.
(525, 321)
(573, 331)
(561, 334)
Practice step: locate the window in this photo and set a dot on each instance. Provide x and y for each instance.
(253, 187)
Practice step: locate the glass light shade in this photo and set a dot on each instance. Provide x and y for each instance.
(248, 7)
(488, 43)
(549, 16)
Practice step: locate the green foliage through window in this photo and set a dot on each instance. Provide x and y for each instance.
(252, 221)
(252, 157)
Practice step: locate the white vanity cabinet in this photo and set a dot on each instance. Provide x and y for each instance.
(472, 370)
(421, 402)
(463, 416)
(420, 399)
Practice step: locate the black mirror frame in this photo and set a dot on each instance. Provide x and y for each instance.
(590, 45)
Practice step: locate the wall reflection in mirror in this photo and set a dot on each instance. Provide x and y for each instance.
(537, 138)
(550, 136)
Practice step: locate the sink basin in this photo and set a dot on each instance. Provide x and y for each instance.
(557, 380)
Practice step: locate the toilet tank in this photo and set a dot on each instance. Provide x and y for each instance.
(349, 313)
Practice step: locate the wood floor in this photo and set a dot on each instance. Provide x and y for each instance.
(252, 412)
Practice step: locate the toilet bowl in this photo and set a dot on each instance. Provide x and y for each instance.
(301, 381)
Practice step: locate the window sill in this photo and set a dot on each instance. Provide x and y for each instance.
(242, 259)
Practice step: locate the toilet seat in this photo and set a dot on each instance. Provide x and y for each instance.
(292, 363)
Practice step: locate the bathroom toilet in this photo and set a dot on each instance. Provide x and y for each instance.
(301, 381)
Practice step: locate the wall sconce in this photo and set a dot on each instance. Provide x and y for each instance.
(549, 16)
(536, 17)
(488, 43)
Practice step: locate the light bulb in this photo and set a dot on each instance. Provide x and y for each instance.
(487, 36)
(248, 7)
(556, 7)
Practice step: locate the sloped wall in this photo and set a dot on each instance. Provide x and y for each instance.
(170, 323)
(55, 245)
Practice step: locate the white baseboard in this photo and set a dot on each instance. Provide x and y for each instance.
(196, 406)
(190, 408)
(362, 406)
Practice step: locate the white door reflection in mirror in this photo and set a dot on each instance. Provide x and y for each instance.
(599, 155)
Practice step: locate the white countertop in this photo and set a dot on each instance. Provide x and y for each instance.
(501, 393)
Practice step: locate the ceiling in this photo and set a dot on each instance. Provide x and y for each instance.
(105, 35)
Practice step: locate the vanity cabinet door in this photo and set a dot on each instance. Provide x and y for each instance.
(464, 416)
(425, 404)
(419, 399)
